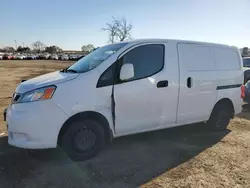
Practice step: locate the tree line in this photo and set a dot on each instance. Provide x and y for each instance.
(119, 29)
(37, 47)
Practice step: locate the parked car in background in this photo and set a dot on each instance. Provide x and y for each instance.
(14, 56)
(127, 88)
(20, 57)
(246, 92)
(31, 57)
(53, 57)
(246, 68)
(64, 57)
(37, 56)
(44, 56)
(59, 56)
(80, 56)
(72, 57)
(7, 57)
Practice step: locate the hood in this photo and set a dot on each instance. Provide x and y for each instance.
(52, 78)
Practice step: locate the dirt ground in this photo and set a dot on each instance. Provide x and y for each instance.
(188, 156)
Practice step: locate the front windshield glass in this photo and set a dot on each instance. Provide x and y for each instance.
(95, 58)
(246, 62)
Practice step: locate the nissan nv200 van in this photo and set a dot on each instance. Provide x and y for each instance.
(126, 88)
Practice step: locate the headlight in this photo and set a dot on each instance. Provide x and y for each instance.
(37, 94)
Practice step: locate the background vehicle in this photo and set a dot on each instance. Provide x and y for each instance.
(246, 90)
(53, 57)
(246, 68)
(7, 57)
(79, 57)
(14, 56)
(64, 57)
(127, 88)
(20, 57)
(72, 57)
(31, 57)
(44, 56)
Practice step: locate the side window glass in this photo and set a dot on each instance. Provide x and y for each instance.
(107, 77)
(147, 60)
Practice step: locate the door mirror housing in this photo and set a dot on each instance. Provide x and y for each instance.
(127, 71)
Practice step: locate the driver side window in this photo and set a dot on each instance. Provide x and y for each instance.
(146, 59)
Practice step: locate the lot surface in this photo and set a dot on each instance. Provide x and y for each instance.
(188, 156)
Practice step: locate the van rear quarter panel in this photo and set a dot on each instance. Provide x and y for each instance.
(229, 73)
(227, 78)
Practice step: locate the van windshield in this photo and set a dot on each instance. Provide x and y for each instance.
(246, 62)
(95, 58)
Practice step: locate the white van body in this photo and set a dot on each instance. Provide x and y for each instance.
(179, 82)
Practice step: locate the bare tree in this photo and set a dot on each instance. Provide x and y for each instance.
(118, 29)
(38, 46)
(123, 29)
(87, 48)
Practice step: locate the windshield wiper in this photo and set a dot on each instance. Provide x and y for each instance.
(71, 70)
(68, 70)
(64, 70)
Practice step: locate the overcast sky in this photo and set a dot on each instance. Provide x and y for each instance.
(72, 23)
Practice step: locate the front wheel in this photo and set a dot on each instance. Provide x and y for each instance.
(83, 140)
(220, 117)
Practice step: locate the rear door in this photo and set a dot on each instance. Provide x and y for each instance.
(197, 83)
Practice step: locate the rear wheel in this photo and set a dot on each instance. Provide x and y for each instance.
(220, 117)
(83, 140)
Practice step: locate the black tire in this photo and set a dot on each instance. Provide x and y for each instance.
(220, 117)
(77, 149)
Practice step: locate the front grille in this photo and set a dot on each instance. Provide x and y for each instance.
(15, 97)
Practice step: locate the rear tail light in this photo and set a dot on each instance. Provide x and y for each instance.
(243, 91)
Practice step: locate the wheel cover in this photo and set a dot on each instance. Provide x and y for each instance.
(84, 140)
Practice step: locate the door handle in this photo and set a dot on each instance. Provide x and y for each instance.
(163, 83)
(189, 82)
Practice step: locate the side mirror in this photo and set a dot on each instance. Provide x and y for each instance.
(127, 71)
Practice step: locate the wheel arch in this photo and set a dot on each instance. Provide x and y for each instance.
(87, 115)
(225, 101)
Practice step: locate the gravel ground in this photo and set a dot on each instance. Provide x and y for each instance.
(187, 156)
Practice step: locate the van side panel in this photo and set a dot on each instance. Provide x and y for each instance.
(197, 82)
(229, 75)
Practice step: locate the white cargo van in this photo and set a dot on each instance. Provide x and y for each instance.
(126, 88)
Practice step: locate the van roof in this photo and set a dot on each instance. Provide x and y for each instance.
(173, 40)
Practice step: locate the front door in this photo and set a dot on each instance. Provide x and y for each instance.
(140, 101)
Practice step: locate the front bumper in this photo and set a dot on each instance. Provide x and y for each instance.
(34, 125)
